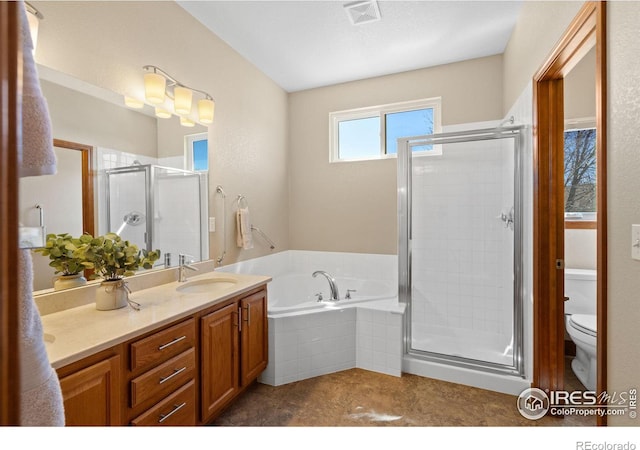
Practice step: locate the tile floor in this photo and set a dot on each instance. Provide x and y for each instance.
(356, 398)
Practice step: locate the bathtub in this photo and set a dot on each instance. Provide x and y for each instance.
(308, 338)
(297, 292)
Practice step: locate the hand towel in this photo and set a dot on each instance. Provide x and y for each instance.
(41, 402)
(244, 238)
(38, 157)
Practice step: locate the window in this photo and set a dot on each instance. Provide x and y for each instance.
(580, 174)
(197, 152)
(372, 133)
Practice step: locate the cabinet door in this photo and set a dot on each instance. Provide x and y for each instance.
(219, 379)
(92, 395)
(254, 339)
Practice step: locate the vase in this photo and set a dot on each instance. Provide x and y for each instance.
(69, 281)
(112, 294)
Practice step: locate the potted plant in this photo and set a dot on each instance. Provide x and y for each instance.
(112, 259)
(67, 258)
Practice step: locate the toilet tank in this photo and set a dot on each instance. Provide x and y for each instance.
(580, 287)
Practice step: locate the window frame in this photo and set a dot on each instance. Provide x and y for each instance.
(381, 112)
(189, 139)
(577, 223)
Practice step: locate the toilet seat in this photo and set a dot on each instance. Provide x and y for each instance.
(585, 323)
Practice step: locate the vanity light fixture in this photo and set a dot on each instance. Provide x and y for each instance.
(186, 122)
(133, 102)
(162, 90)
(162, 113)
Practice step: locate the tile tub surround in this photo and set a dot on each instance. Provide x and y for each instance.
(328, 339)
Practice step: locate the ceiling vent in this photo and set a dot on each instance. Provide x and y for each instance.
(363, 12)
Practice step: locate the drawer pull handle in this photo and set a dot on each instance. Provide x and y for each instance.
(175, 372)
(175, 409)
(169, 344)
(248, 319)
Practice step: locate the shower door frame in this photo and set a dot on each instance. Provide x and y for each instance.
(148, 184)
(405, 157)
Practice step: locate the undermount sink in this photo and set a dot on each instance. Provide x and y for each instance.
(206, 286)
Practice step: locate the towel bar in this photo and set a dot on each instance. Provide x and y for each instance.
(220, 191)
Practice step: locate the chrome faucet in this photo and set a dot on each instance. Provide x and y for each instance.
(184, 264)
(335, 295)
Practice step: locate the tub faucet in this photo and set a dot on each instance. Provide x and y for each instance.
(184, 264)
(335, 295)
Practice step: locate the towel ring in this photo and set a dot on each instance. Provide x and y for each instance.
(239, 201)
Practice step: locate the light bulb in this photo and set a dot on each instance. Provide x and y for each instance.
(133, 102)
(154, 87)
(182, 100)
(186, 122)
(206, 108)
(162, 113)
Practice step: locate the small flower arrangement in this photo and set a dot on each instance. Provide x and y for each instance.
(67, 254)
(113, 258)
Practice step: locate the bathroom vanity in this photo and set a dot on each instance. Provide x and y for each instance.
(185, 356)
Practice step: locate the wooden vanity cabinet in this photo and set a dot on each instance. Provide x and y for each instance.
(234, 351)
(253, 337)
(200, 363)
(162, 375)
(91, 390)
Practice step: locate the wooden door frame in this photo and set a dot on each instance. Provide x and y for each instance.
(88, 200)
(586, 31)
(10, 141)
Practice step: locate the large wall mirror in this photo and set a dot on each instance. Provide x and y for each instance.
(118, 170)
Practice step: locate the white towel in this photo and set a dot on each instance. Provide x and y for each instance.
(38, 157)
(41, 402)
(244, 238)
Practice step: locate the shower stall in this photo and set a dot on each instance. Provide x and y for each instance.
(460, 249)
(159, 207)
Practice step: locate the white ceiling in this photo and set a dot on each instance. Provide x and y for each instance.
(308, 44)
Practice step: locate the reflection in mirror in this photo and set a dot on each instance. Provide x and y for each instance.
(580, 141)
(63, 202)
(119, 138)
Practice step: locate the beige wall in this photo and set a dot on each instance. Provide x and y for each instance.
(542, 23)
(539, 27)
(107, 43)
(351, 206)
(623, 167)
(580, 103)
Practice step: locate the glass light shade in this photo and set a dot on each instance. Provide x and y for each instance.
(206, 108)
(154, 87)
(182, 100)
(162, 113)
(186, 122)
(133, 102)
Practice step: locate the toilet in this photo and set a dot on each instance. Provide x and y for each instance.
(580, 320)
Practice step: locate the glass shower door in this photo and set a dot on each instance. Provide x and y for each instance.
(462, 280)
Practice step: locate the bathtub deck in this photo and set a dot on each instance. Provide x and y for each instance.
(357, 397)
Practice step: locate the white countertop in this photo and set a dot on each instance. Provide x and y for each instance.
(75, 333)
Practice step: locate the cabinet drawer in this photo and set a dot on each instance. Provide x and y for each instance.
(164, 379)
(177, 409)
(163, 345)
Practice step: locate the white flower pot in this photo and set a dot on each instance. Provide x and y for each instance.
(69, 281)
(111, 295)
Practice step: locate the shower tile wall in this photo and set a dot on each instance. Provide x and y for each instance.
(460, 245)
(110, 159)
